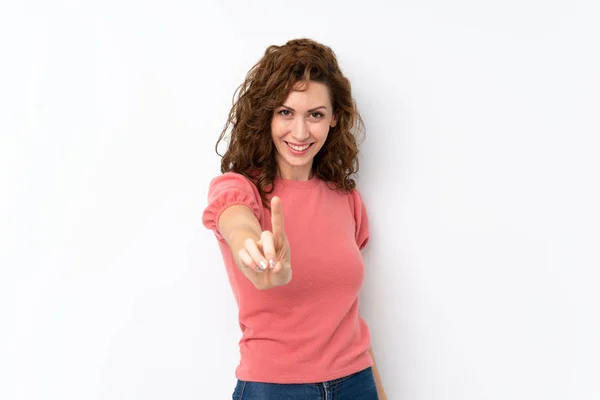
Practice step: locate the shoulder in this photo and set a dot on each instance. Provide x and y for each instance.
(231, 179)
(361, 219)
(230, 189)
(355, 199)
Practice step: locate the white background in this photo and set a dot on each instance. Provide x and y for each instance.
(479, 171)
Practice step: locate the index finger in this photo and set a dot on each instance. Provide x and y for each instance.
(276, 217)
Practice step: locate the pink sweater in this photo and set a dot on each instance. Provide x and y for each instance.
(309, 330)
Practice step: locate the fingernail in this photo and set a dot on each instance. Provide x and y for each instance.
(271, 264)
(263, 264)
(258, 269)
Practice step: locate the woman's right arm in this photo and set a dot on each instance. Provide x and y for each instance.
(236, 224)
(262, 256)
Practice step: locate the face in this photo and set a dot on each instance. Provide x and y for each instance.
(299, 128)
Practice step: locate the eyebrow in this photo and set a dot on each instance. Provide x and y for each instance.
(311, 110)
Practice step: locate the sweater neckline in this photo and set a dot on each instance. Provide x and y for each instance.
(292, 184)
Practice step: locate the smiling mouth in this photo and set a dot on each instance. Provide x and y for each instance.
(298, 148)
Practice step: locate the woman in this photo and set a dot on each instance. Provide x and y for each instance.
(291, 156)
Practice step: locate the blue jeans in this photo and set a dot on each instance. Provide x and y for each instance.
(358, 386)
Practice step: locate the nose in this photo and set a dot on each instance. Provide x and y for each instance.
(300, 130)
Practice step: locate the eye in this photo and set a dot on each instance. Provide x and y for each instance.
(285, 113)
(316, 115)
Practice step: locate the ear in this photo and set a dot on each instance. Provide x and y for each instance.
(334, 121)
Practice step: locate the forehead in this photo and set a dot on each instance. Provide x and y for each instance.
(309, 95)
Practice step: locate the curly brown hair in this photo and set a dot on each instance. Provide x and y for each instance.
(251, 151)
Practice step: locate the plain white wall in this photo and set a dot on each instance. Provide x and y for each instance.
(480, 174)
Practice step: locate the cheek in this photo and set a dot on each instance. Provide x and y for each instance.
(322, 130)
(277, 129)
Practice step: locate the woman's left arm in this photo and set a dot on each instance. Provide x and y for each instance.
(380, 392)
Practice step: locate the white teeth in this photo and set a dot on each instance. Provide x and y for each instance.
(297, 148)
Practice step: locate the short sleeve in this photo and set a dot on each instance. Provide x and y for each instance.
(228, 190)
(361, 219)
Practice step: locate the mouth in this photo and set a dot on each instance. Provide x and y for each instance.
(295, 149)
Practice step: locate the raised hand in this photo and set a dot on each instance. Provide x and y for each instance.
(270, 256)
